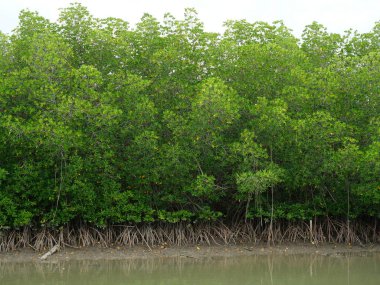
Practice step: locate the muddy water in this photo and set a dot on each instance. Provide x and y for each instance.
(272, 269)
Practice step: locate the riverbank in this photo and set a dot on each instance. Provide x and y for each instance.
(191, 252)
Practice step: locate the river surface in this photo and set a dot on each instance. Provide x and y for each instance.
(336, 269)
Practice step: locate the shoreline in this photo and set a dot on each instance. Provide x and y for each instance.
(94, 253)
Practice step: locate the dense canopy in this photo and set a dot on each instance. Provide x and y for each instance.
(106, 124)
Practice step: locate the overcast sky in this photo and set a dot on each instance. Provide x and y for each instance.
(336, 15)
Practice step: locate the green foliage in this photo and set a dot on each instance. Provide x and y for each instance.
(206, 214)
(258, 182)
(3, 174)
(106, 124)
(204, 185)
(175, 217)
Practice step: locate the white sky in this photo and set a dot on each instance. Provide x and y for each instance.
(336, 15)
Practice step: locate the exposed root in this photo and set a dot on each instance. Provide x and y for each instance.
(182, 234)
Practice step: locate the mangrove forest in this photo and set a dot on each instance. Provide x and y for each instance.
(165, 132)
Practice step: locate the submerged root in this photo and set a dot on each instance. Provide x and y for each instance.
(182, 234)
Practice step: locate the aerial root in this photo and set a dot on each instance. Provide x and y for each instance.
(185, 234)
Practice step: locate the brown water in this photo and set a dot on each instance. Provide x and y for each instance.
(363, 269)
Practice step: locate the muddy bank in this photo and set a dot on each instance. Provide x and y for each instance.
(191, 252)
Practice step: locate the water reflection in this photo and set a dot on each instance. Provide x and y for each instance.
(271, 269)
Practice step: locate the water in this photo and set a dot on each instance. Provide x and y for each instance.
(272, 269)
